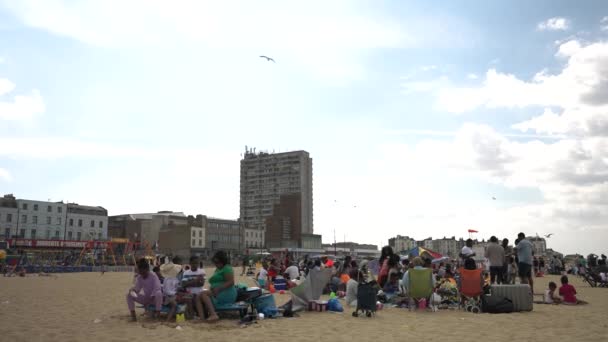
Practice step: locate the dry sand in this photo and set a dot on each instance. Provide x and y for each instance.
(65, 309)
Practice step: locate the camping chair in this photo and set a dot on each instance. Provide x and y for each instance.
(471, 289)
(420, 285)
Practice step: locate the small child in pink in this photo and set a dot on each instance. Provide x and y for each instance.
(568, 292)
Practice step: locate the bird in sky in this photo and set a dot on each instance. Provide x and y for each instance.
(268, 59)
(548, 235)
(493, 198)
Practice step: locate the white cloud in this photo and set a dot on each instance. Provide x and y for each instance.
(583, 81)
(604, 23)
(218, 25)
(5, 175)
(570, 170)
(6, 86)
(2, 60)
(472, 76)
(554, 24)
(21, 107)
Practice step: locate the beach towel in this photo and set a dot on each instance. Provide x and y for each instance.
(310, 289)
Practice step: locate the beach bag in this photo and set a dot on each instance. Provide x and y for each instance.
(496, 304)
(334, 305)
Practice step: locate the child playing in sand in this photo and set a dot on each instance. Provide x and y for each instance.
(550, 295)
(569, 293)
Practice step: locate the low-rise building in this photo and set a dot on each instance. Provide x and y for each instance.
(401, 243)
(8, 216)
(144, 228)
(540, 245)
(31, 219)
(446, 247)
(182, 240)
(352, 248)
(85, 223)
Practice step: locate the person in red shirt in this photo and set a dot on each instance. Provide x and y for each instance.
(568, 292)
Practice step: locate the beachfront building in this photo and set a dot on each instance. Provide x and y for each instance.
(222, 234)
(540, 245)
(254, 239)
(8, 216)
(448, 247)
(46, 220)
(284, 228)
(84, 222)
(218, 234)
(144, 228)
(40, 220)
(183, 240)
(352, 248)
(265, 177)
(401, 243)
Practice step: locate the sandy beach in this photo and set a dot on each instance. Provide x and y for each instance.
(89, 306)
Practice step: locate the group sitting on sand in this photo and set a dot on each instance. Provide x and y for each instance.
(180, 286)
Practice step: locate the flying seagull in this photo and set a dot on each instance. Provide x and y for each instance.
(493, 198)
(268, 59)
(548, 235)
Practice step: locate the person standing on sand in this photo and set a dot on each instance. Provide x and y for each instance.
(496, 256)
(467, 251)
(152, 293)
(505, 266)
(525, 260)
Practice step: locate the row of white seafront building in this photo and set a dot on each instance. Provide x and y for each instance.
(451, 247)
(30, 219)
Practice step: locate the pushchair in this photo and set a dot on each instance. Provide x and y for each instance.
(366, 300)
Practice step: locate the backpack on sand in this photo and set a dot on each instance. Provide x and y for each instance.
(496, 304)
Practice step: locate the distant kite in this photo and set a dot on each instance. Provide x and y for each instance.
(548, 235)
(268, 59)
(494, 198)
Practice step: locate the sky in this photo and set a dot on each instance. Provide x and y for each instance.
(416, 114)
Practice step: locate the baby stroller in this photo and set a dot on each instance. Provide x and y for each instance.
(366, 299)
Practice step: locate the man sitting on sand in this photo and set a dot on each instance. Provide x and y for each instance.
(152, 293)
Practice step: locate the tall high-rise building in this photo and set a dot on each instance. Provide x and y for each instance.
(267, 176)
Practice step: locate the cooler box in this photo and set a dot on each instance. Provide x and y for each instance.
(519, 294)
(280, 284)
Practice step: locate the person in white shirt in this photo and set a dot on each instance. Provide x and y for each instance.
(292, 272)
(550, 297)
(467, 250)
(263, 276)
(193, 281)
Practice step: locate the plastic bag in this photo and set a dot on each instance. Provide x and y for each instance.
(334, 305)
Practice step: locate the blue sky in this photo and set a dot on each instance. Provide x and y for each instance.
(417, 112)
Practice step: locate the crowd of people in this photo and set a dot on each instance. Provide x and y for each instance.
(172, 284)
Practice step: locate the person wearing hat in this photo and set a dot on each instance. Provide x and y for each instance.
(170, 271)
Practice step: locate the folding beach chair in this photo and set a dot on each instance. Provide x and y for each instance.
(471, 289)
(420, 285)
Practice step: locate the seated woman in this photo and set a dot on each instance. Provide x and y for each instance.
(352, 286)
(222, 290)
